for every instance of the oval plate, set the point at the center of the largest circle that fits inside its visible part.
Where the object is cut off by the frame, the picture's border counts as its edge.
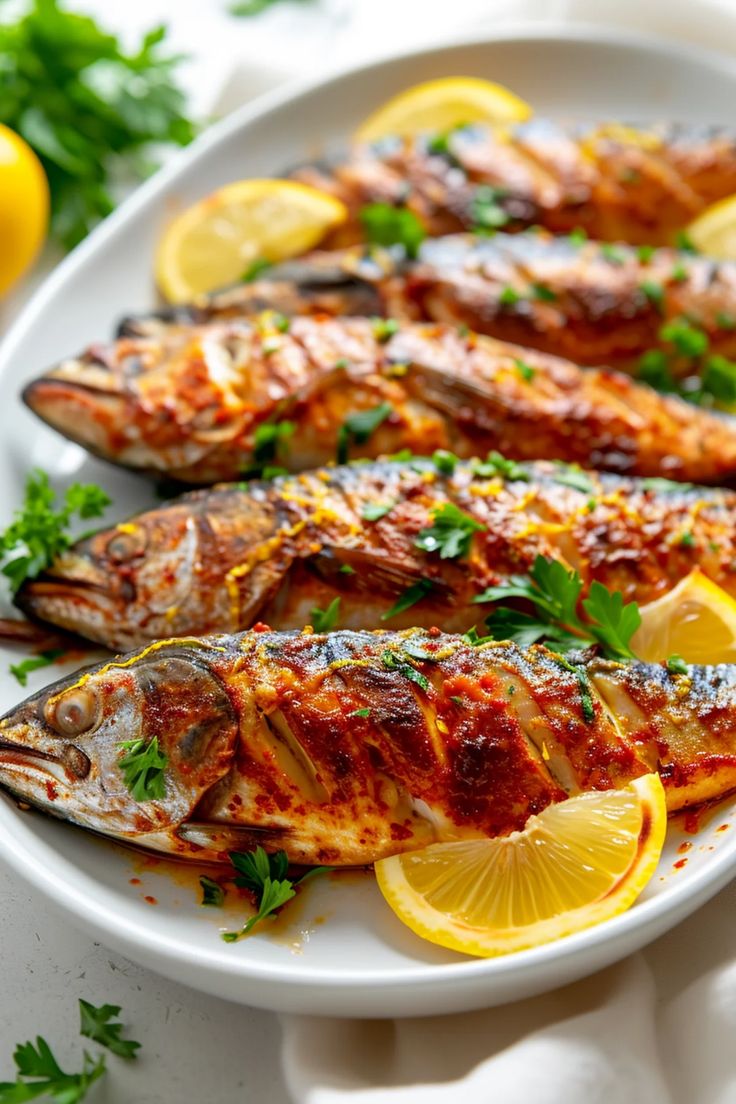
(339, 950)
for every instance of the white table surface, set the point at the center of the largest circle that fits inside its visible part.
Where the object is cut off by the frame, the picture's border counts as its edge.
(196, 1048)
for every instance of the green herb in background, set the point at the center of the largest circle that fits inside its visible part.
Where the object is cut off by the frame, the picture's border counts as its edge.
(39, 1074)
(21, 671)
(38, 532)
(324, 620)
(246, 8)
(100, 1025)
(384, 224)
(359, 427)
(90, 111)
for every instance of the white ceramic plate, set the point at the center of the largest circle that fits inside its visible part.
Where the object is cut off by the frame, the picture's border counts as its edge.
(342, 951)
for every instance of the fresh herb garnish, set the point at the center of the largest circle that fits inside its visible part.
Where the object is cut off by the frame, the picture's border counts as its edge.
(323, 620)
(543, 293)
(654, 292)
(444, 461)
(21, 670)
(578, 236)
(396, 662)
(525, 370)
(676, 665)
(473, 637)
(486, 213)
(384, 224)
(508, 296)
(359, 427)
(679, 273)
(644, 253)
(554, 591)
(687, 339)
(100, 1025)
(38, 532)
(374, 511)
(144, 769)
(571, 475)
(496, 464)
(270, 441)
(265, 876)
(90, 110)
(450, 534)
(255, 269)
(39, 1074)
(364, 712)
(586, 694)
(409, 598)
(213, 895)
(614, 254)
(384, 328)
(686, 540)
(684, 242)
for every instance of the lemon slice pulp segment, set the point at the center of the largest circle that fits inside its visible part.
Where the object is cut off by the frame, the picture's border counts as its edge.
(714, 230)
(695, 620)
(439, 105)
(575, 864)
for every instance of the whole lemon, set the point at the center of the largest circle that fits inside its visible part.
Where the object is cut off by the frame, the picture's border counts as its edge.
(24, 207)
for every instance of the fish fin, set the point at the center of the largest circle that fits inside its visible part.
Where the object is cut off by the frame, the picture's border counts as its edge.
(231, 837)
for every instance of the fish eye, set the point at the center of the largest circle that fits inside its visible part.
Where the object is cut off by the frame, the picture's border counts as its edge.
(74, 712)
(124, 545)
(76, 761)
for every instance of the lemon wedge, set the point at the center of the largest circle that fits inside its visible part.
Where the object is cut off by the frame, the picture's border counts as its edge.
(439, 105)
(695, 620)
(574, 865)
(214, 242)
(714, 231)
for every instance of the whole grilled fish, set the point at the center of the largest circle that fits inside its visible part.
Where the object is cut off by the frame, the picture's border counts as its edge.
(210, 402)
(615, 182)
(223, 559)
(593, 302)
(348, 747)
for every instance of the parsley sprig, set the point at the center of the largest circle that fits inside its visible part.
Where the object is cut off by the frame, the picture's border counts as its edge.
(686, 366)
(359, 427)
(144, 769)
(266, 877)
(450, 534)
(90, 110)
(554, 591)
(384, 224)
(323, 620)
(39, 532)
(101, 1025)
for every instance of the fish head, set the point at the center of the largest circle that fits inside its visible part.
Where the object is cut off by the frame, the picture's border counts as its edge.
(163, 573)
(65, 749)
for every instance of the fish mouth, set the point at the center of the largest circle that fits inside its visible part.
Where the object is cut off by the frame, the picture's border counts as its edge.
(74, 604)
(85, 412)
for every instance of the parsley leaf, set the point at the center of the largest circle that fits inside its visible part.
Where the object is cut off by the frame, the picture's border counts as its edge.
(687, 339)
(374, 511)
(409, 598)
(554, 591)
(91, 111)
(384, 224)
(38, 532)
(571, 475)
(486, 213)
(255, 269)
(325, 619)
(248, 8)
(39, 1074)
(95, 1024)
(614, 254)
(213, 895)
(450, 534)
(445, 461)
(359, 427)
(676, 665)
(496, 464)
(265, 876)
(21, 670)
(396, 662)
(654, 292)
(364, 712)
(270, 441)
(144, 769)
(525, 370)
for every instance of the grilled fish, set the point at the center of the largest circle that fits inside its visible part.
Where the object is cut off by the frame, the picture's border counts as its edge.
(592, 302)
(223, 559)
(613, 181)
(347, 747)
(207, 403)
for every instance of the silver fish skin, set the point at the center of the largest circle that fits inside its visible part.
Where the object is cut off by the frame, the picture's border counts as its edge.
(347, 747)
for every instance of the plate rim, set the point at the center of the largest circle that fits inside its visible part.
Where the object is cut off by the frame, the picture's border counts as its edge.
(41, 865)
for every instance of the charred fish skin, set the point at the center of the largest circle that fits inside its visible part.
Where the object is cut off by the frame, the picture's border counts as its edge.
(222, 560)
(192, 403)
(348, 747)
(582, 300)
(615, 182)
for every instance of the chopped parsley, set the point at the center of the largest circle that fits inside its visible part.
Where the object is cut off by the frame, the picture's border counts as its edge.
(572, 475)
(450, 534)
(255, 269)
(144, 769)
(679, 273)
(554, 591)
(21, 671)
(101, 1025)
(525, 370)
(654, 292)
(266, 877)
(38, 532)
(384, 328)
(578, 236)
(726, 321)
(543, 293)
(496, 464)
(346, 569)
(364, 712)
(684, 242)
(508, 296)
(687, 339)
(444, 461)
(486, 212)
(614, 254)
(271, 441)
(686, 540)
(676, 665)
(644, 253)
(374, 511)
(586, 694)
(384, 224)
(213, 895)
(359, 427)
(396, 662)
(409, 598)
(324, 620)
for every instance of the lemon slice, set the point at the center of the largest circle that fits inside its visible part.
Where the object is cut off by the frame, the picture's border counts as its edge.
(439, 105)
(714, 231)
(213, 243)
(695, 620)
(574, 865)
